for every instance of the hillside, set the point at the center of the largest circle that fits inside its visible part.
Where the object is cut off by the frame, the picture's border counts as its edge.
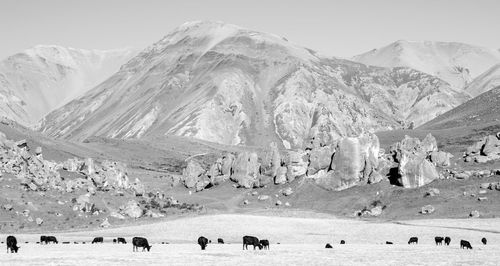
(485, 82)
(456, 63)
(482, 111)
(225, 84)
(40, 79)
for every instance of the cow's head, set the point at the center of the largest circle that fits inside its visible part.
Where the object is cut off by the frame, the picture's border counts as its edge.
(149, 248)
(260, 246)
(16, 248)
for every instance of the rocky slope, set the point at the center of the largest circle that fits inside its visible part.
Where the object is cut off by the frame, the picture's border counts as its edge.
(230, 85)
(43, 78)
(456, 63)
(484, 110)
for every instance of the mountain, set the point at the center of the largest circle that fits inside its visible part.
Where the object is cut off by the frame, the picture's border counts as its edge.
(230, 85)
(456, 63)
(43, 78)
(485, 82)
(480, 111)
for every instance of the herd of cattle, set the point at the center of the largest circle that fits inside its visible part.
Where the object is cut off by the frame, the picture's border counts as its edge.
(464, 244)
(141, 242)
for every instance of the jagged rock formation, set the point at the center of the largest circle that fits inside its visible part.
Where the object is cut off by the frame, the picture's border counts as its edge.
(230, 85)
(38, 174)
(415, 169)
(40, 79)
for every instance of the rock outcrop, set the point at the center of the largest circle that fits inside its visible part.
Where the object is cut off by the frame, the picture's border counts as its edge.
(487, 149)
(415, 169)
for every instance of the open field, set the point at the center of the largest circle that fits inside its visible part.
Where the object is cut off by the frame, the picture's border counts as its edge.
(301, 241)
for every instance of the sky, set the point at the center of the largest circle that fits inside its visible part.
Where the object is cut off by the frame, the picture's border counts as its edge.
(332, 27)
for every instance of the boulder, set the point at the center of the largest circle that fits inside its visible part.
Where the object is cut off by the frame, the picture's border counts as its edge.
(263, 197)
(105, 223)
(432, 192)
(320, 158)
(116, 215)
(202, 183)
(474, 214)
(227, 164)
(427, 209)
(296, 162)
(278, 203)
(441, 158)
(39, 221)
(376, 211)
(429, 144)
(191, 174)
(7, 207)
(288, 191)
(246, 170)
(354, 162)
(491, 146)
(281, 175)
(415, 171)
(132, 209)
(481, 159)
(272, 160)
(138, 187)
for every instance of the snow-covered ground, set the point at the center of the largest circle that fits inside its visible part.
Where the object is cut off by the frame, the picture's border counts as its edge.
(302, 242)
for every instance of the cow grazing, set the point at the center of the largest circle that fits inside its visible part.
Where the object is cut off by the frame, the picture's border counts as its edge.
(98, 240)
(328, 245)
(447, 240)
(484, 241)
(342, 242)
(114, 240)
(388, 243)
(203, 242)
(413, 240)
(121, 240)
(220, 240)
(438, 240)
(12, 244)
(48, 239)
(251, 240)
(140, 242)
(264, 243)
(465, 244)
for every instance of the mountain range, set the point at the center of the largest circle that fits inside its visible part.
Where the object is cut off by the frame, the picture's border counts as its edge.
(222, 83)
(40, 79)
(226, 84)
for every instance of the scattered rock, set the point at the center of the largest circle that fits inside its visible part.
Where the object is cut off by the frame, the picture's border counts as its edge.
(288, 191)
(482, 191)
(245, 202)
(7, 207)
(192, 173)
(105, 223)
(287, 204)
(474, 214)
(432, 192)
(116, 215)
(485, 185)
(427, 209)
(482, 198)
(441, 158)
(376, 211)
(255, 193)
(39, 221)
(278, 203)
(281, 175)
(263, 197)
(246, 170)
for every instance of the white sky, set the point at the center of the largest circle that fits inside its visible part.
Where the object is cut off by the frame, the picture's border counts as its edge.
(337, 28)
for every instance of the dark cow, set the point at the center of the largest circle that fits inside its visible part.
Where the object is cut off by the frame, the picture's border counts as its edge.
(121, 240)
(484, 241)
(140, 242)
(251, 240)
(447, 240)
(220, 240)
(438, 240)
(48, 239)
(12, 244)
(98, 240)
(203, 242)
(342, 242)
(264, 243)
(388, 243)
(413, 240)
(465, 244)
(114, 240)
(328, 245)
